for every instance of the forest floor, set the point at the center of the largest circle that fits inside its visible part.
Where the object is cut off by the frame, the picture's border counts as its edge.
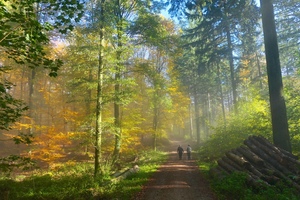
(177, 179)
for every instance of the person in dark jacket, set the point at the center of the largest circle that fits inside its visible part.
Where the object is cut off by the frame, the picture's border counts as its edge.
(180, 152)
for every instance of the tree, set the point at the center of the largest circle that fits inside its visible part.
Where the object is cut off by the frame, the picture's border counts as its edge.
(159, 44)
(187, 68)
(222, 24)
(23, 37)
(107, 32)
(287, 16)
(280, 129)
(122, 11)
(217, 34)
(11, 109)
(99, 97)
(278, 109)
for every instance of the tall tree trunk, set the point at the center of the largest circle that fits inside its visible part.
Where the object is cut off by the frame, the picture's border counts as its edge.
(205, 116)
(231, 65)
(155, 127)
(88, 108)
(197, 116)
(31, 79)
(281, 135)
(117, 101)
(98, 131)
(117, 116)
(221, 94)
(209, 115)
(89, 95)
(191, 122)
(259, 72)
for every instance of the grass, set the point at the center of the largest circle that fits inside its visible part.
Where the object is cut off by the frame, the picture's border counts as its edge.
(76, 182)
(235, 187)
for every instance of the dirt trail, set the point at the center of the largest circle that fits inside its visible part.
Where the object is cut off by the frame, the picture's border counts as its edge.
(177, 180)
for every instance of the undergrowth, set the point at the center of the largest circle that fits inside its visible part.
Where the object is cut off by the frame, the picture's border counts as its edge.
(75, 181)
(236, 187)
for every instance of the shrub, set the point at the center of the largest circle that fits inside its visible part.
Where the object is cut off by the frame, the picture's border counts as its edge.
(253, 118)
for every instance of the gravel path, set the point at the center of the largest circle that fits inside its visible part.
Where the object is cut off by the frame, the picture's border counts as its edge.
(177, 180)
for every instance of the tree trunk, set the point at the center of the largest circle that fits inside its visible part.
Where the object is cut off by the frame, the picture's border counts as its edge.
(231, 65)
(197, 116)
(117, 101)
(281, 135)
(98, 131)
(221, 95)
(31, 79)
(117, 122)
(154, 127)
(117, 115)
(191, 122)
(259, 72)
(207, 115)
(88, 99)
(248, 154)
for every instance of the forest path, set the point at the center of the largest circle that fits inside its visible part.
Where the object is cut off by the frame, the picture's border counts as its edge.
(177, 179)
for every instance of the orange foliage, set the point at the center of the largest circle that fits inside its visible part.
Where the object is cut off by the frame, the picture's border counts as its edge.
(49, 146)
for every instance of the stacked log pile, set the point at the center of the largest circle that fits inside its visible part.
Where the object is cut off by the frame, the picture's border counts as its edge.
(263, 163)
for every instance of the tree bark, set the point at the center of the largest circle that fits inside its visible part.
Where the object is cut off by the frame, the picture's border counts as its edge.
(197, 116)
(273, 162)
(221, 94)
(239, 160)
(98, 131)
(117, 101)
(31, 80)
(191, 122)
(155, 127)
(225, 166)
(251, 156)
(231, 65)
(281, 135)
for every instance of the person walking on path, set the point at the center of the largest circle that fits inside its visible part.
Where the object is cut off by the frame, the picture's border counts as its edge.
(189, 151)
(180, 152)
(177, 180)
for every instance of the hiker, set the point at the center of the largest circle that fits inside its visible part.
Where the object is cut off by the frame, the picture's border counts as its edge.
(189, 151)
(180, 152)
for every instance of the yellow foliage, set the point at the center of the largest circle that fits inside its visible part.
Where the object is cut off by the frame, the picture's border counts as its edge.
(21, 126)
(244, 73)
(49, 146)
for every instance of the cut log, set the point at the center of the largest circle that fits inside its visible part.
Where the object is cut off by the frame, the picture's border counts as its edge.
(255, 171)
(232, 163)
(251, 170)
(272, 180)
(263, 163)
(276, 149)
(126, 173)
(257, 150)
(270, 151)
(226, 166)
(292, 164)
(277, 155)
(288, 160)
(251, 157)
(239, 160)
